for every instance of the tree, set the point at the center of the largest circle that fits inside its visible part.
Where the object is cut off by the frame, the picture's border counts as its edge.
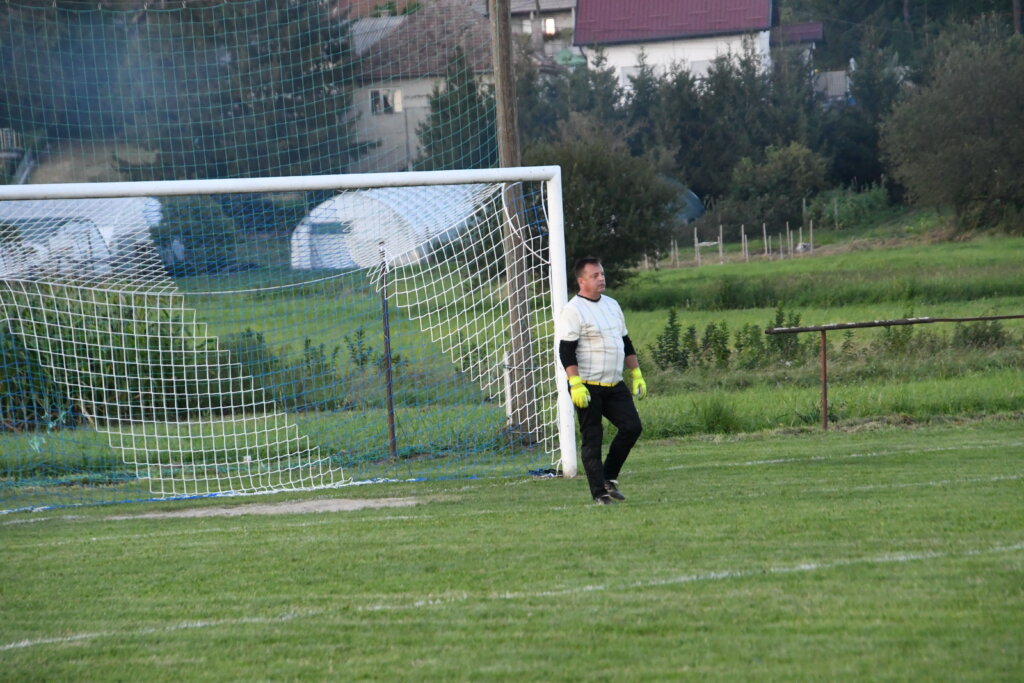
(852, 131)
(616, 206)
(244, 90)
(957, 140)
(735, 99)
(677, 119)
(59, 75)
(794, 111)
(460, 131)
(773, 191)
(538, 106)
(545, 98)
(640, 103)
(594, 90)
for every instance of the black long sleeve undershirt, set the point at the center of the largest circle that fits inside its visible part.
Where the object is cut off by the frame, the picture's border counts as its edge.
(567, 350)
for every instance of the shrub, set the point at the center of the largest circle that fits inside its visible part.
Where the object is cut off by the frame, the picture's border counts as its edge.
(205, 232)
(668, 349)
(844, 209)
(785, 347)
(714, 345)
(751, 348)
(29, 398)
(983, 334)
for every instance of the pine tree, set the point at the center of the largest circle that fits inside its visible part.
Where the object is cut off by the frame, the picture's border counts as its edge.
(262, 89)
(460, 131)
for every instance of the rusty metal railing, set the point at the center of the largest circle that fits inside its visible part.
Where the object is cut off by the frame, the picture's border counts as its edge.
(824, 329)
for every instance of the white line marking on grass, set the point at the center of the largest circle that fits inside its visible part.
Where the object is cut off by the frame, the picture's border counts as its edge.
(183, 626)
(847, 456)
(702, 577)
(573, 590)
(919, 484)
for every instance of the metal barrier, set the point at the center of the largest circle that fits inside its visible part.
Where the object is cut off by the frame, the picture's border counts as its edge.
(824, 329)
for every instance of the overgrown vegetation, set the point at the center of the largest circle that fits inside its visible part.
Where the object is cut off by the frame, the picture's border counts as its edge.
(676, 349)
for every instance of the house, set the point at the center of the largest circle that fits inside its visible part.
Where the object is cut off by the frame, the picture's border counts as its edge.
(360, 228)
(547, 25)
(687, 33)
(403, 58)
(805, 35)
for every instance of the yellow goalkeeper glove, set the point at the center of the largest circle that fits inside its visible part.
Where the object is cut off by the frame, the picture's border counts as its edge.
(579, 392)
(635, 382)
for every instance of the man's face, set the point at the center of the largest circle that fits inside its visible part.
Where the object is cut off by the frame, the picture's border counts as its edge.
(591, 281)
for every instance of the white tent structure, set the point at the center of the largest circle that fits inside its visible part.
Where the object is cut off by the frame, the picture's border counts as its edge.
(362, 228)
(72, 236)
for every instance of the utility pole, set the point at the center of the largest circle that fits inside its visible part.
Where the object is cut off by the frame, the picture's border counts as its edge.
(504, 83)
(521, 411)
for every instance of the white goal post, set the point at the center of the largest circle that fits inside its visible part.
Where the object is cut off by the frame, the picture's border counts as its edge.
(37, 279)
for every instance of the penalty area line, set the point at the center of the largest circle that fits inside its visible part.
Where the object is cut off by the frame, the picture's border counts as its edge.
(845, 456)
(183, 626)
(721, 575)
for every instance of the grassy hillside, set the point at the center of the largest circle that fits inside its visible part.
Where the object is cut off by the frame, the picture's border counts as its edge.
(926, 372)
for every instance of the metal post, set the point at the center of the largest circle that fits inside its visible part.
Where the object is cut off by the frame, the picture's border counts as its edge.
(388, 385)
(824, 384)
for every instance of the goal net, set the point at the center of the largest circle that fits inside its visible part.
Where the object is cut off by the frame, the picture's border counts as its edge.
(158, 341)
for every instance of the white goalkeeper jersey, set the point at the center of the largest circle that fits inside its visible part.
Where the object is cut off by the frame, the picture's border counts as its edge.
(599, 327)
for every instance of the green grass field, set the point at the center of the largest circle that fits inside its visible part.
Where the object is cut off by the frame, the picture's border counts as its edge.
(872, 554)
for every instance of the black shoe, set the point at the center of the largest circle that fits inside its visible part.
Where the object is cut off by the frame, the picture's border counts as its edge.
(612, 487)
(604, 499)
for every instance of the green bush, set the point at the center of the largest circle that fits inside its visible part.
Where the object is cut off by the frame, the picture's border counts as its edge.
(845, 209)
(668, 351)
(982, 334)
(675, 349)
(208, 236)
(29, 398)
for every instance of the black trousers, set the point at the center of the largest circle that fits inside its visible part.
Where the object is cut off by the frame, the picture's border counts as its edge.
(616, 404)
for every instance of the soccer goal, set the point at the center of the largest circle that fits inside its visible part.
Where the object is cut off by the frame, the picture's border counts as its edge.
(178, 339)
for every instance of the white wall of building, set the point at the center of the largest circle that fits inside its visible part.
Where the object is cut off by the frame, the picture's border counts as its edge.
(693, 54)
(395, 130)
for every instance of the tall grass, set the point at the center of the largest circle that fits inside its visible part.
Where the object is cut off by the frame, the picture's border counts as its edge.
(928, 274)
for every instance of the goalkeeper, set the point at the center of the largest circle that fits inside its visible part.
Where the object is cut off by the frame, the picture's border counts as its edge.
(593, 346)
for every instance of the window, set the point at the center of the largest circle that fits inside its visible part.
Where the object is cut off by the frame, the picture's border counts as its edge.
(385, 101)
(527, 26)
(549, 26)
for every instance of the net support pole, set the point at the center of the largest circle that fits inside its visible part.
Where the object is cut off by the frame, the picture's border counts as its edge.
(523, 416)
(388, 378)
(559, 298)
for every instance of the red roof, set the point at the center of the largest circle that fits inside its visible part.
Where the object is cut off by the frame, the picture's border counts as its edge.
(418, 45)
(636, 21)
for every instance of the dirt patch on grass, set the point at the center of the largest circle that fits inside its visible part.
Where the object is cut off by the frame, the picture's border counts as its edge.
(282, 508)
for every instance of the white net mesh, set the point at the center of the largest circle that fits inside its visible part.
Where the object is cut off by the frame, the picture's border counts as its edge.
(221, 356)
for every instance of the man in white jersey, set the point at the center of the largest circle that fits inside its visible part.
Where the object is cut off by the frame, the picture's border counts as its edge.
(594, 345)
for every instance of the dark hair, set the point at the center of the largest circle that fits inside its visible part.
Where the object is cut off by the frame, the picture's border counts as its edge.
(583, 263)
